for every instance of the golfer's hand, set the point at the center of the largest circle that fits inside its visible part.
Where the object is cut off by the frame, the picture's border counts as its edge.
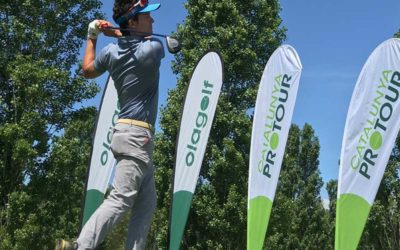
(108, 32)
(93, 30)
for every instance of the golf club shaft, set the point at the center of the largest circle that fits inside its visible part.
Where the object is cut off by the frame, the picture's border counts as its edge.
(136, 32)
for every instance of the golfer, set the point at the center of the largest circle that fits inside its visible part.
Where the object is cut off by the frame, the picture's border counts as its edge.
(133, 64)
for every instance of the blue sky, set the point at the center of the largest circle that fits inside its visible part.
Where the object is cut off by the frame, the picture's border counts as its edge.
(333, 40)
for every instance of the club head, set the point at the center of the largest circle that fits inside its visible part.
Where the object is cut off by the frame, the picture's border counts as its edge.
(173, 45)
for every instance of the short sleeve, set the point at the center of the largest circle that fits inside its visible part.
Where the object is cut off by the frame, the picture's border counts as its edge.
(101, 61)
(158, 49)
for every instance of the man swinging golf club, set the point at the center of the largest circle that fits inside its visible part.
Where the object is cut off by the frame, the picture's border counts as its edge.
(133, 64)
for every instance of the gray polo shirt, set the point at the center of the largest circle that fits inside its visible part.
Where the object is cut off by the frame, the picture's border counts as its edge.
(133, 64)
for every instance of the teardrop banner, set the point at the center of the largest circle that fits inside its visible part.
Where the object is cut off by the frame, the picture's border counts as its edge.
(198, 113)
(102, 160)
(372, 125)
(272, 119)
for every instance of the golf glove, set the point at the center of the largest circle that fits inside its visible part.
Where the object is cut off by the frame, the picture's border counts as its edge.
(93, 30)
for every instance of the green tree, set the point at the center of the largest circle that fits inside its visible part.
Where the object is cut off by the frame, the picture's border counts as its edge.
(39, 88)
(245, 33)
(313, 219)
(331, 188)
(48, 207)
(298, 219)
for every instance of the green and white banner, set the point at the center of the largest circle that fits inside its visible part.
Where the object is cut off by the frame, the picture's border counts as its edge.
(102, 160)
(371, 129)
(198, 113)
(272, 119)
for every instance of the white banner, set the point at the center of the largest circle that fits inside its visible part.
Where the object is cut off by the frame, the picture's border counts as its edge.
(371, 129)
(102, 160)
(372, 123)
(272, 119)
(198, 114)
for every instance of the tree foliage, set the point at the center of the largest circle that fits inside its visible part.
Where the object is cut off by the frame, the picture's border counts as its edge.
(48, 207)
(298, 218)
(42, 153)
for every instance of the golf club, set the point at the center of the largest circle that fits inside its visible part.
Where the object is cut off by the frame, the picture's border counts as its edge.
(172, 44)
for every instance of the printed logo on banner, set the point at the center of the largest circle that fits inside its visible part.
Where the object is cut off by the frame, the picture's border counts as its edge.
(275, 115)
(386, 94)
(107, 143)
(201, 122)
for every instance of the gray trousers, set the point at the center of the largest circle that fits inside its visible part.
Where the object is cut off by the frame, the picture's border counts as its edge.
(133, 188)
